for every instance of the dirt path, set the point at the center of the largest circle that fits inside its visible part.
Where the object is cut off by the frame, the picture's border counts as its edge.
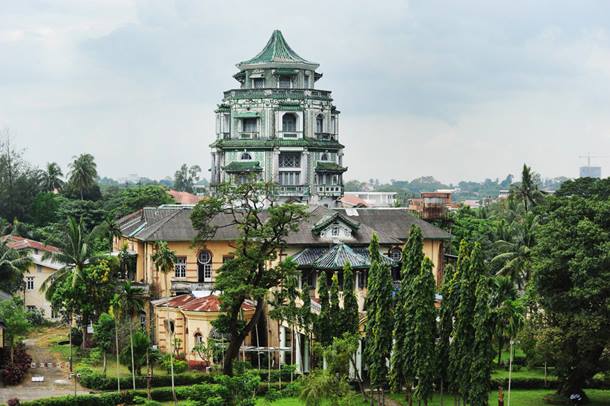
(47, 365)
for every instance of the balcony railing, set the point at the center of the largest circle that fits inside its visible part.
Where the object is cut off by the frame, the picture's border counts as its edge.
(248, 135)
(273, 93)
(293, 190)
(325, 136)
(180, 286)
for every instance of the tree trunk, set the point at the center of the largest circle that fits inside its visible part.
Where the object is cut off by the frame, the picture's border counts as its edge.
(104, 362)
(170, 344)
(236, 338)
(133, 369)
(116, 341)
(442, 390)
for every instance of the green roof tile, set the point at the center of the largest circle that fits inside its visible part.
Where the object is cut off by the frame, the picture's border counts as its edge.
(276, 51)
(329, 167)
(243, 166)
(276, 142)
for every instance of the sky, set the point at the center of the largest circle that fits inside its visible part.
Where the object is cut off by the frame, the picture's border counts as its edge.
(459, 90)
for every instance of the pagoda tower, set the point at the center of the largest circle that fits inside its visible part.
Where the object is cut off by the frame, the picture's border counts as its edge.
(278, 126)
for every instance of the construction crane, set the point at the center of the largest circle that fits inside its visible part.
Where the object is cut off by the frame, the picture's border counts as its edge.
(589, 156)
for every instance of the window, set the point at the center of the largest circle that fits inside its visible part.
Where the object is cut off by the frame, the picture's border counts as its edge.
(320, 123)
(258, 83)
(31, 308)
(38, 269)
(143, 321)
(361, 279)
(335, 230)
(290, 178)
(204, 260)
(180, 267)
(285, 82)
(290, 160)
(324, 157)
(333, 125)
(289, 122)
(246, 156)
(249, 125)
(396, 254)
(198, 338)
(305, 81)
(29, 283)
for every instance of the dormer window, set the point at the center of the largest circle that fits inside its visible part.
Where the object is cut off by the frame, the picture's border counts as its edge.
(246, 156)
(335, 230)
(258, 83)
(285, 82)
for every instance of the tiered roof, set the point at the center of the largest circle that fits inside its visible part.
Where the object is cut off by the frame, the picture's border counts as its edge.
(277, 51)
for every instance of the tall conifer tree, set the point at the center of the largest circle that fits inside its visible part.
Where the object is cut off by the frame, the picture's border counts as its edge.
(425, 332)
(323, 327)
(335, 309)
(447, 312)
(480, 369)
(403, 354)
(350, 303)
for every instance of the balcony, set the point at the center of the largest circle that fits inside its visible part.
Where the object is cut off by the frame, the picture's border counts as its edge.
(329, 190)
(290, 134)
(325, 136)
(183, 286)
(293, 190)
(274, 93)
(248, 135)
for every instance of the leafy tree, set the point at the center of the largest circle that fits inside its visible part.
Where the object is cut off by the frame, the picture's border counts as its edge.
(334, 307)
(45, 209)
(509, 312)
(263, 225)
(402, 362)
(572, 281)
(130, 199)
(351, 319)
(480, 369)
(445, 326)
(50, 178)
(379, 317)
(103, 335)
(14, 316)
(186, 177)
(324, 327)
(13, 264)
(527, 191)
(82, 177)
(425, 332)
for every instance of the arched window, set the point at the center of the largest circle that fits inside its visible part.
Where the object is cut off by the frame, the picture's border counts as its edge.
(324, 157)
(204, 266)
(245, 156)
(320, 123)
(198, 338)
(289, 122)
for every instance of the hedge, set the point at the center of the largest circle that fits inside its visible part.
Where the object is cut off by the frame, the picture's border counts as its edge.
(94, 380)
(539, 383)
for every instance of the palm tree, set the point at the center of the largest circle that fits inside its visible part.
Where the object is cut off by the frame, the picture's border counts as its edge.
(165, 262)
(133, 303)
(83, 173)
(13, 264)
(117, 306)
(515, 255)
(74, 253)
(50, 178)
(527, 190)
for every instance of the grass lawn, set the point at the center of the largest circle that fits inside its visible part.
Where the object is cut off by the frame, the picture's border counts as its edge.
(524, 373)
(518, 398)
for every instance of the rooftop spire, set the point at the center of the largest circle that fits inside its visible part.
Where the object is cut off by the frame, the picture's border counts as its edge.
(277, 51)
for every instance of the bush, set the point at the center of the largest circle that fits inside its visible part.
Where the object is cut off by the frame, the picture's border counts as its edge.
(14, 372)
(13, 402)
(94, 380)
(77, 337)
(140, 400)
(180, 366)
(36, 317)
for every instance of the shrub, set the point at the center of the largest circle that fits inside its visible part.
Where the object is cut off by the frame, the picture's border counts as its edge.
(36, 317)
(13, 402)
(14, 372)
(180, 366)
(77, 337)
(140, 400)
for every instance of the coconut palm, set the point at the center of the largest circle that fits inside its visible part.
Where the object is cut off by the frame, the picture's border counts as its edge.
(527, 190)
(515, 258)
(50, 178)
(132, 305)
(75, 252)
(13, 264)
(83, 173)
(165, 262)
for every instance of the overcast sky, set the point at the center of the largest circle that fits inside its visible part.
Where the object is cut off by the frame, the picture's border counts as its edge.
(454, 89)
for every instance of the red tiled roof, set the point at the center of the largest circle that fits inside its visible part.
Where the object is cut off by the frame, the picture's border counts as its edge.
(191, 303)
(185, 197)
(19, 243)
(353, 201)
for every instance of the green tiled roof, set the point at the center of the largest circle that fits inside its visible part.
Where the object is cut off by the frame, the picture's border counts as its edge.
(276, 142)
(246, 114)
(243, 166)
(276, 50)
(334, 258)
(329, 167)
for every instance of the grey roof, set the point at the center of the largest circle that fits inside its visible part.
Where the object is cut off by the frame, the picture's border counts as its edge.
(173, 223)
(394, 222)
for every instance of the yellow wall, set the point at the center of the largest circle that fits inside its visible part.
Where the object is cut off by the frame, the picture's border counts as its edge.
(35, 297)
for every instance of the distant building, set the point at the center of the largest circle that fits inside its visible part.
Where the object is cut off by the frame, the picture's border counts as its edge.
(504, 194)
(374, 199)
(591, 172)
(40, 270)
(432, 205)
(184, 197)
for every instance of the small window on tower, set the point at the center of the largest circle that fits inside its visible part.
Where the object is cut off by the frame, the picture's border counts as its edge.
(324, 157)
(246, 156)
(285, 82)
(258, 83)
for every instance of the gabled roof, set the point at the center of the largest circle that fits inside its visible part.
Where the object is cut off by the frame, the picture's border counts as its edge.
(332, 217)
(20, 243)
(277, 51)
(191, 303)
(335, 257)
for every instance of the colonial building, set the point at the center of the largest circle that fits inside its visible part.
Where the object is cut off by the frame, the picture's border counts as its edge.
(278, 127)
(38, 272)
